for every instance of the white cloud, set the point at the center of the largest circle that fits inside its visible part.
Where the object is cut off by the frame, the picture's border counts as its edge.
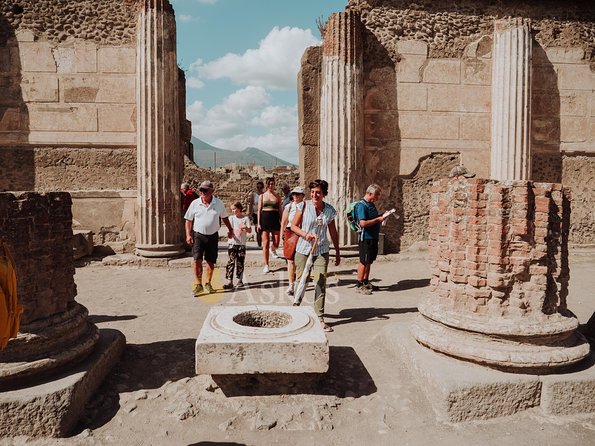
(274, 64)
(247, 119)
(194, 82)
(185, 18)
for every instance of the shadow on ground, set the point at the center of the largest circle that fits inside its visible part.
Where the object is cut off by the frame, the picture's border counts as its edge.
(99, 318)
(353, 315)
(347, 377)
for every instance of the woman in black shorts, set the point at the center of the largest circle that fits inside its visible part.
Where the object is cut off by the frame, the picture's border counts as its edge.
(269, 220)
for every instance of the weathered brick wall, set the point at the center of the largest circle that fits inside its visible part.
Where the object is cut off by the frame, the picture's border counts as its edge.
(38, 228)
(500, 248)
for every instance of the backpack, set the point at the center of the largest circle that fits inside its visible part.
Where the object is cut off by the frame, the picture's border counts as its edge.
(350, 216)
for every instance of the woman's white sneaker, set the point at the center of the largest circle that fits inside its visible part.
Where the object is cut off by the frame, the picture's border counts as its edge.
(266, 269)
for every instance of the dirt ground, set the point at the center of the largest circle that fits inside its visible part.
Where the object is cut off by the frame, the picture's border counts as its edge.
(153, 396)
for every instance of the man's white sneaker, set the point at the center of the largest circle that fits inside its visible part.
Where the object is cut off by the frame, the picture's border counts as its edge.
(266, 269)
(289, 290)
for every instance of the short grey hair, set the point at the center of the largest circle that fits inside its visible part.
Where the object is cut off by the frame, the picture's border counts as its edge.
(373, 189)
(184, 186)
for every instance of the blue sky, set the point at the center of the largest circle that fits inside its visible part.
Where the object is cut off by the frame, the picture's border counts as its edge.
(241, 59)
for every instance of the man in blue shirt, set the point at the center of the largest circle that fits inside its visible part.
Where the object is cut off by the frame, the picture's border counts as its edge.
(366, 215)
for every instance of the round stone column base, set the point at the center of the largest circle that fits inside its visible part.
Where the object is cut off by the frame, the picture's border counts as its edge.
(47, 346)
(526, 355)
(172, 250)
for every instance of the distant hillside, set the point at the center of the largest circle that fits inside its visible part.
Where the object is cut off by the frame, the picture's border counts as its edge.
(205, 155)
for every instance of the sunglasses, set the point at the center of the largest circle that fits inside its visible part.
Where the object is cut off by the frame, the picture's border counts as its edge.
(204, 190)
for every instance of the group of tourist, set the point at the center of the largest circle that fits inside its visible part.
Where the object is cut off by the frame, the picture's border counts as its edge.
(305, 225)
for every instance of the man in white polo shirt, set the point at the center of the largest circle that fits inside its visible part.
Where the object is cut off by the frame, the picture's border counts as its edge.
(202, 232)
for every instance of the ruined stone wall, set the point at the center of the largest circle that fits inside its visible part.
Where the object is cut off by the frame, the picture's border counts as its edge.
(237, 183)
(68, 108)
(38, 228)
(428, 79)
(309, 113)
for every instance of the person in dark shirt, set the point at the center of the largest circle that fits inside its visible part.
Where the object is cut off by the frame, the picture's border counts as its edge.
(367, 217)
(188, 196)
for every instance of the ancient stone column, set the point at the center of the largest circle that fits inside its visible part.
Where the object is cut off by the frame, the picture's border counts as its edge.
(159, 157)
(511, 100)
(499, 261)
(341, 114)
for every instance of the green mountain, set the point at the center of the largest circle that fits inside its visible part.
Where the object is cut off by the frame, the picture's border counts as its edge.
(206, 155)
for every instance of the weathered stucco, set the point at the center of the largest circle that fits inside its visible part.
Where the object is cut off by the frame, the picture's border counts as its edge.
(427, 69)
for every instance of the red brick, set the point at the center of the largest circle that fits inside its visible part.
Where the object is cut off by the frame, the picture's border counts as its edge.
(476, 281)
(538, 269)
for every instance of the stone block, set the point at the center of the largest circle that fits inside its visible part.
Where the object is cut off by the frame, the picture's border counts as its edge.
(575, 77)
(461, 391)
(117, 118)
(409, 68)
(52, 408)
(571, 392)
(381, 126)
(380, 99)
(39, 88)
(428, 126)
(573, 129)
(85, 56)
(116, 60)
(37, 57)
(573, 103)
(24, 35)
(62, 118)
(442, 71)
(98, 88)
(261, 339)
(545, 130)
(412, 47)
(64, 57)
(12, 119)
(476, 71)
(469, 98)
(565, 55)
(476, 127)
(412, 97)
(544, 78)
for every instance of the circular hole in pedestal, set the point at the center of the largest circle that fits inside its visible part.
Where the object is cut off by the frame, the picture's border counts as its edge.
(262, 319)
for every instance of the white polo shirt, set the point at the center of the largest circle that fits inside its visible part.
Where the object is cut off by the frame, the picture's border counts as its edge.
(206, 218)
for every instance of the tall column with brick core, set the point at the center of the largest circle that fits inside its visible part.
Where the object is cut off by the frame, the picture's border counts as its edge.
(499, 261)
(159, 157)
(341, 114)
(511, 100)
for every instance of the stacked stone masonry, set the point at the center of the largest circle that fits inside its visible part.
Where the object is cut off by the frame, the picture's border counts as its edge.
(499, 261)
(427, 90)
(54, 330)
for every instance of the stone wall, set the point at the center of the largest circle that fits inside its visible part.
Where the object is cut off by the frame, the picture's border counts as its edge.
(309, 113)
(38, 229)
(427, 69)
(234, 184)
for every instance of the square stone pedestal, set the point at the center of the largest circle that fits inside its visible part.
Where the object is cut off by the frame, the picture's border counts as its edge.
(261, 339)
(462, 391)
(53, 407)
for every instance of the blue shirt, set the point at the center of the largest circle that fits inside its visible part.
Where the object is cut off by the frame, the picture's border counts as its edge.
(367, 211)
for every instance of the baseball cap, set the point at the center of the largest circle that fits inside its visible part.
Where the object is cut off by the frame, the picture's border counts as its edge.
(206, 185)
(298, 190)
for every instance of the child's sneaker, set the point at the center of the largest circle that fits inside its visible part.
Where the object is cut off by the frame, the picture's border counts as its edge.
(228, 286)
(240, 284)
(289, 290)
(209, 288)
(274, 253)
(196, 289)
(363, 290)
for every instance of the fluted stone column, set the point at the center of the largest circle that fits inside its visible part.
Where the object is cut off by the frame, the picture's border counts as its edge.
(511, 100)
(159, 156)
(341, 114)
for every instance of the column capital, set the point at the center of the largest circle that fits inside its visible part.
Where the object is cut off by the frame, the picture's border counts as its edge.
(507, 23)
